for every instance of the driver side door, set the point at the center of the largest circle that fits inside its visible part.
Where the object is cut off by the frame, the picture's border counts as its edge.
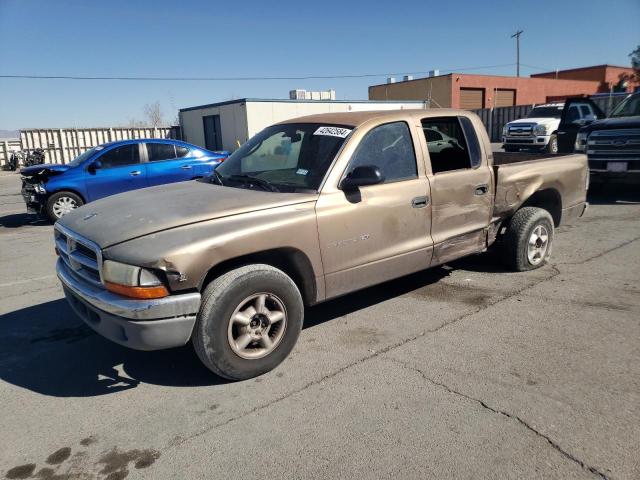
(382, 231)
(120, 169)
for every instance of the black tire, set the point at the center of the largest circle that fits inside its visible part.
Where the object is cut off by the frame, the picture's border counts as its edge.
(511, 149)
(516, 238)
(552, 146)
(53, 211)
(219, 302)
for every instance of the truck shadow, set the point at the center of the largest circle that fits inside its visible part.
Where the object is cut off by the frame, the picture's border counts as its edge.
(46, 349)
(613, 194)
(22, 219)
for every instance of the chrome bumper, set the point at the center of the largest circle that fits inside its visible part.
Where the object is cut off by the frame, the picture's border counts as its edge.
(138, 324)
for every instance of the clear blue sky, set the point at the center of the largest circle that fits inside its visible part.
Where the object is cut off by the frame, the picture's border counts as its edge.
(259, 38)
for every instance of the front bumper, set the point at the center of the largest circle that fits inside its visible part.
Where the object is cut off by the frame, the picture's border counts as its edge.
(35, 202)
(138, 324)
(538, 141)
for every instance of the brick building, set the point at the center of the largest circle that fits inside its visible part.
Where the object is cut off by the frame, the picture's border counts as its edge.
(469, 91)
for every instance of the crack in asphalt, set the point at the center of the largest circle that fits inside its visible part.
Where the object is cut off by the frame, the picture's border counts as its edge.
(486, 406)
(601, 254)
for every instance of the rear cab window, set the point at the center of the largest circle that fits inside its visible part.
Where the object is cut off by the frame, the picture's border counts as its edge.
(452, 143)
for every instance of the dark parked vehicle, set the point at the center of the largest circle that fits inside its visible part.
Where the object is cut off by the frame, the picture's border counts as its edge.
(56, 189)
(613, 144)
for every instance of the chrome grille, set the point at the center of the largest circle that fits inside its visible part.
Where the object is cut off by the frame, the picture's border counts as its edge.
(520, 130)
(82, 256)
(623, 144)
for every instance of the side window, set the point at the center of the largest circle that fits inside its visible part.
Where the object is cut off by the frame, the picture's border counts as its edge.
(452, 152)
(181, 151)
(573, 114)
(160, 151)
(585, 111)
(120, 156)
(388, 147)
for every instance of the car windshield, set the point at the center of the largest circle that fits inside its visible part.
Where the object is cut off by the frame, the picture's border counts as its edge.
(545, 112)
(293, 157)
(630, 107)
(83, 156)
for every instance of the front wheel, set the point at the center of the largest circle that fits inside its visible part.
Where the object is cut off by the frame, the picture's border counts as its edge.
(61, 203)
(249, 321)
(552, 146)
(528, 239)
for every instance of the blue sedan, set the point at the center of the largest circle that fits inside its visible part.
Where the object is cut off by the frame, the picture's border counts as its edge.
(56, 189)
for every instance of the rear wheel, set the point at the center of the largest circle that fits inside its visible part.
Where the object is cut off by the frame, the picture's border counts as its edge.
(249, 321)
(61, 203)
(528, 239)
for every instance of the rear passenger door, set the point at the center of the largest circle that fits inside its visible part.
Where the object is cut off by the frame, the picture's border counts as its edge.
(461, 188)
(168, 163)
(116, 170)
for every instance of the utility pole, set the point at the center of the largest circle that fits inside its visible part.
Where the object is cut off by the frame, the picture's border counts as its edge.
(517, 37)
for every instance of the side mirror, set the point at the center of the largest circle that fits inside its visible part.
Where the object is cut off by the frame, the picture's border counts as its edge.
(97, 165)
(361, 177)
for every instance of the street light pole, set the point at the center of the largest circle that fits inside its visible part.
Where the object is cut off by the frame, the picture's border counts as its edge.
(517, 37)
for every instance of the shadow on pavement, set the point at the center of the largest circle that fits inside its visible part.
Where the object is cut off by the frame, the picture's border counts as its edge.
(613, 194)
(21, 219)
(47, 349)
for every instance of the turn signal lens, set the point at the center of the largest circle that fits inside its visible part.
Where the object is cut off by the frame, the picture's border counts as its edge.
(158, 291)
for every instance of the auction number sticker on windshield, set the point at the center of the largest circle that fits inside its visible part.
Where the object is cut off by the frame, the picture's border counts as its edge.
(333, 131)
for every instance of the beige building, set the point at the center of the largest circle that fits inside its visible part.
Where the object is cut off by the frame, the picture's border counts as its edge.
(226, 125)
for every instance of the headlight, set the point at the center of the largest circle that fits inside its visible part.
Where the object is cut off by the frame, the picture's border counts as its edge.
(505, 130)
(39, 188)
(132, 281)
(581, 142)
(540, 130)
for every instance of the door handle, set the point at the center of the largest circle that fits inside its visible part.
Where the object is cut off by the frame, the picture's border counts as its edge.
(135, 173)
(186, 167)
(481, 189)
(420, 202)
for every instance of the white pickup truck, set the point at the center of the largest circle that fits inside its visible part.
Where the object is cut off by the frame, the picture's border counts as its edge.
(540, 128)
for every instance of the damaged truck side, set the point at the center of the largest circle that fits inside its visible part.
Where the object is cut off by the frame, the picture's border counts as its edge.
(307, 210)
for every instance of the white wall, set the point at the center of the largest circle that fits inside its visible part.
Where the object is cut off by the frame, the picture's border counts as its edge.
(233, 125)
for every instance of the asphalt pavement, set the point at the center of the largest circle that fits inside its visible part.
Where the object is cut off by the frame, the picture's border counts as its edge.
(462, 371)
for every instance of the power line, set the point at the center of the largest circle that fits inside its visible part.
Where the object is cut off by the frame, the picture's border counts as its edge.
(226, 79)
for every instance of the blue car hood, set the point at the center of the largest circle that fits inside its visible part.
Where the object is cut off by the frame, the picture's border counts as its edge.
(45, 167)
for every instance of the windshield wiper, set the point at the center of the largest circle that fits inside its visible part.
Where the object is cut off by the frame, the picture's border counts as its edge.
(248, 179)
(216, 176)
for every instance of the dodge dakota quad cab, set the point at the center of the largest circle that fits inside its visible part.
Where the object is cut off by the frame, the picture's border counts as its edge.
(307, 210)
(613, 144)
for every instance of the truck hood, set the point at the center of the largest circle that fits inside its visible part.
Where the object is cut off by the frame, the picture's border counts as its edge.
(130, 215)
(538, 121)
(612, 123)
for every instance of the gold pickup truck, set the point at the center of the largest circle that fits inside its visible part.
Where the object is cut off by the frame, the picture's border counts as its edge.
(307, 210)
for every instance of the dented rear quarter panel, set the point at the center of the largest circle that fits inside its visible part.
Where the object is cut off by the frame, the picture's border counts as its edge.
(517, 182)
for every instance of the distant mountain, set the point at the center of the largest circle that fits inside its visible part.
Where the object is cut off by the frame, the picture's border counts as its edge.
(9, 134)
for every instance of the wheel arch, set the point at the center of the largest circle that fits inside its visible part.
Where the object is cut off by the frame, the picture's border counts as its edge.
(548, 199)
(70, 190)
(290, 260)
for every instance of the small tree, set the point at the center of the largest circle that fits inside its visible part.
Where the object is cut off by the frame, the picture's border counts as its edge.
(153, 112)
(635, 62)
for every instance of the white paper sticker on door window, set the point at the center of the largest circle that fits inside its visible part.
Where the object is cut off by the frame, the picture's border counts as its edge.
(333, 131)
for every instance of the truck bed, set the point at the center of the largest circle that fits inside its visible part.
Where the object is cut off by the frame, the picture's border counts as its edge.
(506, 158)
(519, 175)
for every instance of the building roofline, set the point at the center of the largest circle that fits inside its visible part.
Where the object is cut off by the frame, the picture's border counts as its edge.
(604, 65)
(288, 100)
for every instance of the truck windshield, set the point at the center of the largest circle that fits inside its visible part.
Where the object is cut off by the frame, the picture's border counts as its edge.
(83, 156)
(287, 158)
(630, 107)
(546, 112)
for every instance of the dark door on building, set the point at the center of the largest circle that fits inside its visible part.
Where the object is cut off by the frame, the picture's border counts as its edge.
(212, 134)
